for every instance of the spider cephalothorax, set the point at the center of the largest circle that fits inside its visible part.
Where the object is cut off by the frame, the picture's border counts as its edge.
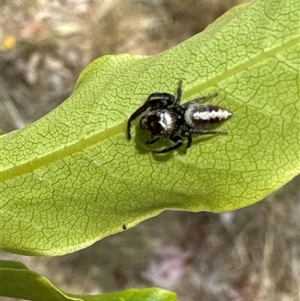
(167, 118)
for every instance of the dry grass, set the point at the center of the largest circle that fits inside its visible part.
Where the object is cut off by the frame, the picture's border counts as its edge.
(250, 254)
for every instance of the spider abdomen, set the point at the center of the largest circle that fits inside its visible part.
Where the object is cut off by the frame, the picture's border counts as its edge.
(205, 115)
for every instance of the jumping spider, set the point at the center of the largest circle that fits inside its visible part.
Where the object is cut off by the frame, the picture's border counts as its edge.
(167, 118)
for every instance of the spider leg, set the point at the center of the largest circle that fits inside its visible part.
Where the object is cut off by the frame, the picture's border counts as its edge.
(189, 137)
(178, 142)
(179, 94)
(167, 98)
(199, 100)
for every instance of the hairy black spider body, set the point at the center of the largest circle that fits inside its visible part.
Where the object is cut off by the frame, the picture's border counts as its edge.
(167, 118)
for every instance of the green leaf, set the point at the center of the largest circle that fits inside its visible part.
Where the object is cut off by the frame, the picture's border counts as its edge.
(72, 177)
(147, 294)
(19, 282)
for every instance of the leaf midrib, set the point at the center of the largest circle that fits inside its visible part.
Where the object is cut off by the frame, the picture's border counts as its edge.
(80, 145)
(243, 66)
(76, 147)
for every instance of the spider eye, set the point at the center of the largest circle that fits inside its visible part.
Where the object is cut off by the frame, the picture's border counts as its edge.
(154, 124)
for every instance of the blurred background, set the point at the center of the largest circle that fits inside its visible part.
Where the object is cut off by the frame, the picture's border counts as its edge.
(250, 254)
